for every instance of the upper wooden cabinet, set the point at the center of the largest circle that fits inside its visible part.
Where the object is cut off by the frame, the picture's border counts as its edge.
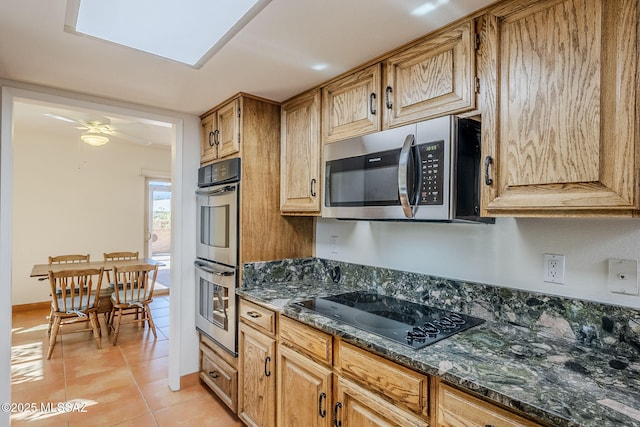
(221, 132)
(432, 78)
(559, 117)
(351, 105)
(300, 154)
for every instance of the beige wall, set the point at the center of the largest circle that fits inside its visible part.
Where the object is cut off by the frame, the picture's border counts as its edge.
(69, 197)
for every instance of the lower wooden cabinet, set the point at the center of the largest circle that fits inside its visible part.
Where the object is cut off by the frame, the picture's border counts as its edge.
(257, 377)
(218, 374)
(304, 391)
(459, 409)
(356, 406)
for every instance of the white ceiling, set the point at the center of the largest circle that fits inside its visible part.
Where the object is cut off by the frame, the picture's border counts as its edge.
(271, 57)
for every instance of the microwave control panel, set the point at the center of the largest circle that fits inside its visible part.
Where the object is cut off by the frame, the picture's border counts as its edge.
(432, 170)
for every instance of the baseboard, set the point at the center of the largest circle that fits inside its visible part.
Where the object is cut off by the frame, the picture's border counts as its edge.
(31, 306)
(189, 380)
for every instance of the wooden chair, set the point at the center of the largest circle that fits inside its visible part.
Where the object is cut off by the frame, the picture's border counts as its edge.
(137, 282)
(116, 256)
(74, 299)
(65, 259)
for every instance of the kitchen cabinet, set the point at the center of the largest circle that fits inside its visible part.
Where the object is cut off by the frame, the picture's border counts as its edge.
(300, 155)
(559, 112)
(431, 78)
(256, 365)
(218, 372)
(457, 408)
(351, 105)
(220, 136)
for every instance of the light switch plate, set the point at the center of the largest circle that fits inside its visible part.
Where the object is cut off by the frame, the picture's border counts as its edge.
(623, 276)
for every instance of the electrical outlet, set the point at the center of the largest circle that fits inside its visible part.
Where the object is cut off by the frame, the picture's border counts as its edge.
(623, 276)
(553, 268)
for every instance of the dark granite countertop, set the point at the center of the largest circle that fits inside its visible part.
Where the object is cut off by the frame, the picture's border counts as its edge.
(552, 380)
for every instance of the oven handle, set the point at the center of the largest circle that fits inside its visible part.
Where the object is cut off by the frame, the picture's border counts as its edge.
(225, 189)
(403, 171)
(207, 267)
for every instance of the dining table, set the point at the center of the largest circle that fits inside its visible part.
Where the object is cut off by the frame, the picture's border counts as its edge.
(41, 272)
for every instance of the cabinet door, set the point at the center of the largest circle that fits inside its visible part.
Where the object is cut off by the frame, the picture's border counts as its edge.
(559, 124)
(433, 78)
(357, 407)
(300, 168)
(229, 128)
(456, 408)
(351, 105)
(208, 148)
(304, 391)
(257, 385)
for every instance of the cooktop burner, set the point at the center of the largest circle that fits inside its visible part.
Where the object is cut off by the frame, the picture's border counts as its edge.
(408, 323)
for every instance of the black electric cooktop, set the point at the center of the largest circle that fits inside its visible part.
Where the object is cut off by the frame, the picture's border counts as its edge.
(408, 323)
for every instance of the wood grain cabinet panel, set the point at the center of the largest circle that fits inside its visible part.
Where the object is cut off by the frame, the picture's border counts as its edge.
(351, 105)
(228, 117)
(257, 377)
(221, 377)
(357, 407)
(559, 121)
(459, 409)
(300, 148)
(208, 148)
(432, 78)
(304, 391)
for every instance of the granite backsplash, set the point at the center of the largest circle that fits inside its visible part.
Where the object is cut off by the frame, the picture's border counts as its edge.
(585, 322)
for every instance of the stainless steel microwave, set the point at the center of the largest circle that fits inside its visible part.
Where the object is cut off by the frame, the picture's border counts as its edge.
(426, 171)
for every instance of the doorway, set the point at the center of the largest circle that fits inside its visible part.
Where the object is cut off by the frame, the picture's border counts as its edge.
(158, 227)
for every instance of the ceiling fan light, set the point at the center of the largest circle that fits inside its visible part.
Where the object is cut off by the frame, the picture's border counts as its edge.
(94, 139)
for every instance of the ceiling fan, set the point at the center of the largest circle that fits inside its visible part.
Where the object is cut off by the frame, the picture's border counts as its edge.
(97, 130)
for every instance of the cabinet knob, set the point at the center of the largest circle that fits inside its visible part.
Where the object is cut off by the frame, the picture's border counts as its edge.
(253, 314)
(487, 162)
(336, 422)
(372, 105)
(214, 374)
(321, 410)
(313, 184)
(387, 96)
(267, 373)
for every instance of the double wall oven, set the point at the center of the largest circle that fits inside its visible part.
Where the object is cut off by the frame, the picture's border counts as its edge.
(217, 252)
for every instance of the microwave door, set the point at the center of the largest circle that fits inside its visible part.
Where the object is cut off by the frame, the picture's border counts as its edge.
(408, 162)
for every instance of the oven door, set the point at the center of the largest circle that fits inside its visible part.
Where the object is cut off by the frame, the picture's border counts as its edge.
(217, 224)
(216, 303)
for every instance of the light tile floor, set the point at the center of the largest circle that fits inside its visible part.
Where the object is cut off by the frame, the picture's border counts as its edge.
(122, 385)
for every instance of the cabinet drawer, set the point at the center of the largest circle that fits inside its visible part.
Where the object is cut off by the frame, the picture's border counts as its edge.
(258, 316)
(403, 386)
(219, 376)
(456, 408)
(310, 341)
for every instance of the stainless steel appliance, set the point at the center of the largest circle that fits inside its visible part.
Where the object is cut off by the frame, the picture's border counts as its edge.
(427, 171)
(408, 323)
(217, 252)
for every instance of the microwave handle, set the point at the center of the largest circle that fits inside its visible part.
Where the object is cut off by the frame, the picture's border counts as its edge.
(403, 169)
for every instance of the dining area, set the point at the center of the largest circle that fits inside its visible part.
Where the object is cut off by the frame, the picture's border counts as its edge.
(98, 294)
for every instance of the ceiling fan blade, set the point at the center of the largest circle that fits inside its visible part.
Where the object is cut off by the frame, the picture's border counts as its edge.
(66, 119)
(129, 138)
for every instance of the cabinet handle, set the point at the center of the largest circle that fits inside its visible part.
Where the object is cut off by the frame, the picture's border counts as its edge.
(214, 374)
(372, 100)
(266, 362)
(211, 138)
(216, 137)
(387, 96)
(254, 314)
(336, 422)
(313, 183)
(321, 410)
(487, 161)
